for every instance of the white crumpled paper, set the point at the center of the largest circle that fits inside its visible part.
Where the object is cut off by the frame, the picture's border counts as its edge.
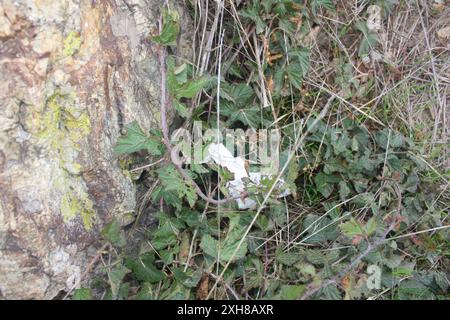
(237, 187)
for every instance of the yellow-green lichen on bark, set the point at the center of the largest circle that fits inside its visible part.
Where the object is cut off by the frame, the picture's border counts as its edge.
(72, 44)
(61, 126)
(75, 200)
(71, 206)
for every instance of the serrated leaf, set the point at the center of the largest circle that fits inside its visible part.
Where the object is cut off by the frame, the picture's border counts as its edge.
(209, 245)
(82, 294)
(144, 270)
(325, 183)
(181, 109)
(291, 292)
(369, 40)
(192, 87)
(228, 246)
(371, 226)
(331, 292)
(170, 28)
(326, 4)
(136, 140)
(352, 228)
(173, 181)
(344, 190)
(288, 258)
(114, 233)
(115, 277)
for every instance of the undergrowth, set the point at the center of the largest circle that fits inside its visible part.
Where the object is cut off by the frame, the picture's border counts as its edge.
(367, 213)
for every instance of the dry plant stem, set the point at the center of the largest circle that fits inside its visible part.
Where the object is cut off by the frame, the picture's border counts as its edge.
(164, 104)
(226, 285)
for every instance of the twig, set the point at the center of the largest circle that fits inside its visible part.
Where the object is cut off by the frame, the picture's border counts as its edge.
(226, 285)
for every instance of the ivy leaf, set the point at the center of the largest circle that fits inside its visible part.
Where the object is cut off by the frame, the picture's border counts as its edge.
(136, 140)
(82, 294)
(114, 233)
(170, 28)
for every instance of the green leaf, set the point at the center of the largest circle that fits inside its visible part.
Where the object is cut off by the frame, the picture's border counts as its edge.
(331, 292)
(115, 278)
(352, 228)
(319, 229)
(326, 4)
(181, 109)
(173, 181)
(170, 28)
(82, 294)
(209, 245)
(192, 87)
(344, 190)
(239, 94)
(114, 233)
(228, 246)
(369, 40)
(288, 258)
(371, 226)
(136, 140)
(291, 292)
(188, 279)
(144, 270)
(324, 183)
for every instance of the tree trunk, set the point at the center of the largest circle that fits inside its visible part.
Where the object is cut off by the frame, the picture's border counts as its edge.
(72, 73)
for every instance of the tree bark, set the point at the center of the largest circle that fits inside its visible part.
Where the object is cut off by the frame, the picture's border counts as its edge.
(72, 74)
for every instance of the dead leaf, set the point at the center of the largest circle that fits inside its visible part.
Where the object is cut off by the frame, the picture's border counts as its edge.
(374, 19)
(444, 34)
(270, 84)
(203, 287)
(184, 247)
(357, 240)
